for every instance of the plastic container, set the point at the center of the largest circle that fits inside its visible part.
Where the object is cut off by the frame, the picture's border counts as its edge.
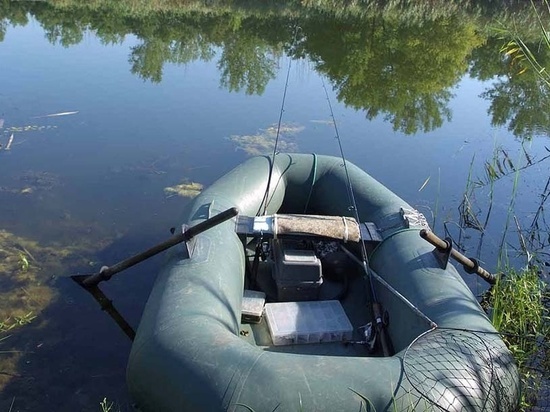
(297, 272)
(252, 306)
(307, 322)
(297, 265)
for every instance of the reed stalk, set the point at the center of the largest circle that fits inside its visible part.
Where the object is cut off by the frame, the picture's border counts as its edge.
(521, 54)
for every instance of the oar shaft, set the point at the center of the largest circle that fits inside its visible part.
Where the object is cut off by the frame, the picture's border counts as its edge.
(107, 305)
(470, 265)
(107, 271)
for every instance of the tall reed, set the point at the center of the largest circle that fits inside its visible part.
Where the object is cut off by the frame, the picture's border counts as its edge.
(521, 54)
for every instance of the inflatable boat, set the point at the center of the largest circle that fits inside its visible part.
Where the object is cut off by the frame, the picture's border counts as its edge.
(319, 296)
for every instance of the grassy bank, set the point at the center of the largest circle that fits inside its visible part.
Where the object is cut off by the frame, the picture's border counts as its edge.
(520, 311)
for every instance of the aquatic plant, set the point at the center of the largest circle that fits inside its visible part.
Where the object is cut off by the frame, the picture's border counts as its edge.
(519, 304)
(263, 142)
(26, 272)
(188, 189)
(107, 406)
(9, 323)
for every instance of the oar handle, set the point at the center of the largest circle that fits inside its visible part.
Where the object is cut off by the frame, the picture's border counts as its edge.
(106, 272)
(470, 265)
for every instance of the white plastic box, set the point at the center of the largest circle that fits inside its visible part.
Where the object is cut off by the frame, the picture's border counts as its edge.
(307, 322)
(252, 306)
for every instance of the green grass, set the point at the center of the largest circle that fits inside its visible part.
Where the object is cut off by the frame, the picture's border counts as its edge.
(521, 313)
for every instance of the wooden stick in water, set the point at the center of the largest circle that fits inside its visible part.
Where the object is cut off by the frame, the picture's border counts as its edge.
(10, 141)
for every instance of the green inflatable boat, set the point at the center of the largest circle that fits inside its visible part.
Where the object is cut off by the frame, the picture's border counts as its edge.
(314, 298)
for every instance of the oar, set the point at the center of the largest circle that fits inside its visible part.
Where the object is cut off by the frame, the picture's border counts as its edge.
(470, 265)
(90, 282)
(107, 305)
(106, 272)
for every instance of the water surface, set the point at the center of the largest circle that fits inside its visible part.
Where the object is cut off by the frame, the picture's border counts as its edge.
(185, 95)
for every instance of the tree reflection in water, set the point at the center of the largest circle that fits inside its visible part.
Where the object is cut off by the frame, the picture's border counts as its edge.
(400, 62)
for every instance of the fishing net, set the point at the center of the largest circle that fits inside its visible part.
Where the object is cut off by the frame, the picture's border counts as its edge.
(459, 370)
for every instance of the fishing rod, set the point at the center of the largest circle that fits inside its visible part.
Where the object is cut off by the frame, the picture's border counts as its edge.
(277, 135)
(378, 312)
(265, 201)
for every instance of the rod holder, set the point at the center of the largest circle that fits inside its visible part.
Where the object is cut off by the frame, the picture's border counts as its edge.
(470, 265)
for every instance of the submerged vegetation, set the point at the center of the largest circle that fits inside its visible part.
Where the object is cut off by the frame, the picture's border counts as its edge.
(24, 294)
(27, 277)
(263, 142)
(20, 263)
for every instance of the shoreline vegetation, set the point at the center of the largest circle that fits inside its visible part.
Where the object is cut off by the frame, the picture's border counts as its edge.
(520, 302)
(519, 307)
(505, 9)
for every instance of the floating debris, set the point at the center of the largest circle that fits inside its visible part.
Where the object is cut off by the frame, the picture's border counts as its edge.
(424, 184)
(56, 114)
(321, 121)
(28, 128)
(10, 141)
(264, 141)
(184, 190)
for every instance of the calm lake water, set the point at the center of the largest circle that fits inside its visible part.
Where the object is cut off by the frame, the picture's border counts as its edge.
(427, 105)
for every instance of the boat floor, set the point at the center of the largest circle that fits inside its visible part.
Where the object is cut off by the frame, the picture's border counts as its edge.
(355, 302)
